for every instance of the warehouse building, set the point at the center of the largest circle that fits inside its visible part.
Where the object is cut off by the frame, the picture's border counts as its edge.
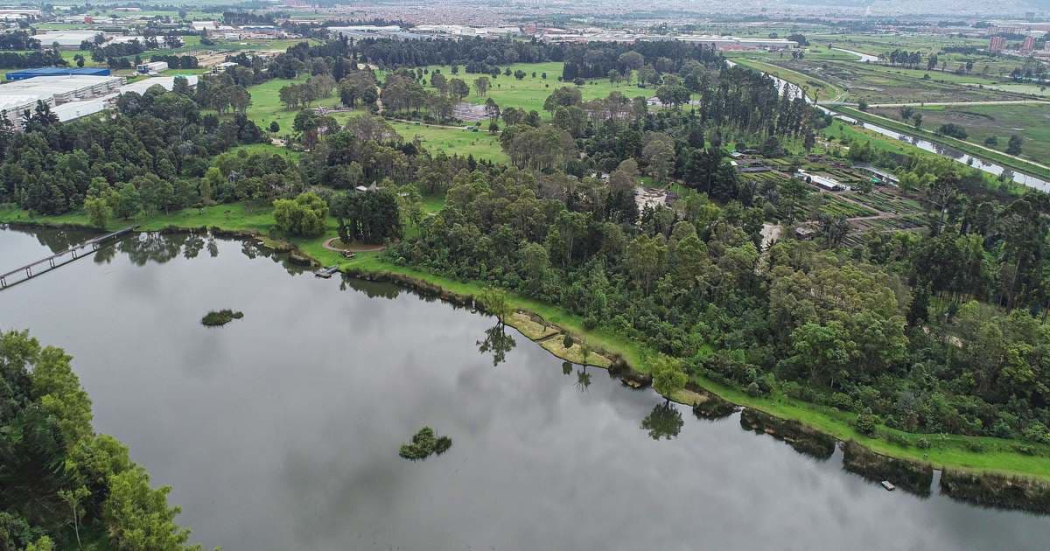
(64, 89)
(736, 43)
(57, 71)
(152, 67)
(67, 40)
(76, 109)
(168, 83)
(17, 96)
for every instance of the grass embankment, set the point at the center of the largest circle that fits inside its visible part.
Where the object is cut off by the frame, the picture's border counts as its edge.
(994, 455)
(823, 91)
(983, 122)
(1014, 163)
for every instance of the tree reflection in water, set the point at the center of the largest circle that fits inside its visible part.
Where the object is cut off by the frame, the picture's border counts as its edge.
(497, 342)
(566, 368)
(583, 379)
(663, 422)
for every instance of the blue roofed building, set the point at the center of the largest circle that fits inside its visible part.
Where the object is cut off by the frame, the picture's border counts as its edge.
(57, 72)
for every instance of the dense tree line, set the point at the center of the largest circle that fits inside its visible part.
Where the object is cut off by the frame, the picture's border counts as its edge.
(479, 55)
(177, 61)
(152, 154)
(18, 40)
(62, 486)
(42, 58)
(595, 60)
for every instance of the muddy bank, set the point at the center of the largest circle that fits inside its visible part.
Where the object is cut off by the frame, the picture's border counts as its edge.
(910, 476)
(996, 490)
(712, 407)
(803, 439)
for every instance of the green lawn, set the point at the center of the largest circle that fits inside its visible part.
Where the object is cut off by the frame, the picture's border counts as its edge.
(481, 144)
(266, 104)
(530, 92)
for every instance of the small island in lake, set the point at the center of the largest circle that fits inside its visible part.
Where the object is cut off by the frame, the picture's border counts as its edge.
(220, 318)
(424, 444)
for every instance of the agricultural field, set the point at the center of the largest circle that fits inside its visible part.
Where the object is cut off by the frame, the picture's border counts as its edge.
(831, 204)
(981, 122)
(876, 44)
(888, 200)
(875, 83)
(1034, 90)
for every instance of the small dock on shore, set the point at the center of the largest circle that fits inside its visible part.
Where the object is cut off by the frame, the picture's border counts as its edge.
(327, 272)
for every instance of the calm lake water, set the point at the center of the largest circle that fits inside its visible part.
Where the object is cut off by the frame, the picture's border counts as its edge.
(281, 430)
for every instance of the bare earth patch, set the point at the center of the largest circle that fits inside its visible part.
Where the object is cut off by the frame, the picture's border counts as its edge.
(531, 328)
(575, 354)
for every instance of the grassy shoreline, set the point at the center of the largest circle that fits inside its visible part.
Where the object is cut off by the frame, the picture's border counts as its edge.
(1018, 165)
(978, 454)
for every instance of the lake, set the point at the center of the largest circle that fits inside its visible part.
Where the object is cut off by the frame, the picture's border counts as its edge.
(281, 430)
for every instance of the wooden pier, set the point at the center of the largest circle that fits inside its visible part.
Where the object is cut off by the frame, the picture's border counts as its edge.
(58, 260)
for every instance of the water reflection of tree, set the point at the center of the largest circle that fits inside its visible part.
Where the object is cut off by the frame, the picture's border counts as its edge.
(105, 254)
(497, 342)
(371, 289)
(194, 245)
(664, 421)
(566, 368)
(152, 247)
(56, 240)
(583, 379)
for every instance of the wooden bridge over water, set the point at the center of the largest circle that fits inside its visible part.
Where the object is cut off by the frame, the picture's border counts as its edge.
(58, 260)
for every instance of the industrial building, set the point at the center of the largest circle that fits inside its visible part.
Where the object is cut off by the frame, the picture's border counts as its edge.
(168, 83)
(65, 88)
(735, 43)
(57, 71)
(76, 109)
(152, 67)
(17, 96)
(66, 40)
(372, 31)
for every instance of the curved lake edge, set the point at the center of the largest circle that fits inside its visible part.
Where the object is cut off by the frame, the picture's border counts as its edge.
(979, 486)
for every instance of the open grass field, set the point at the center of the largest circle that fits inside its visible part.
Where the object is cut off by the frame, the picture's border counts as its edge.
(267, 107)
(451, 141)
(530, 92)
(1035, 90)
(268, 149)
(1031, 122)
